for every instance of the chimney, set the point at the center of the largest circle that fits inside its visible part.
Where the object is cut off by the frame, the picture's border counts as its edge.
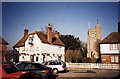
(49, 33)
(57, 34)
(25, 32)
(119, 26)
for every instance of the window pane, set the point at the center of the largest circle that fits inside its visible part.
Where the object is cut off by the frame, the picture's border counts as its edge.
(112, 58)
(116, 59)
(36, 58)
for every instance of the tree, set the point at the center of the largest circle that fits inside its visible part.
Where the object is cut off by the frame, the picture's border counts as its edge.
(70, 42)
(69, 55)
(75, 49)
(86, 60)
(77, 56)
(84, 49)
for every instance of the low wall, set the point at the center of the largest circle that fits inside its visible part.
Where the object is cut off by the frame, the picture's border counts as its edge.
(93, 65)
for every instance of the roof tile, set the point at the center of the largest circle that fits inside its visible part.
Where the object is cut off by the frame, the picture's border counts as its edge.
(113, 37)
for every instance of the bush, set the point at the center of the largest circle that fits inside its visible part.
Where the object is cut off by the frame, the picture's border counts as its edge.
(86, 60)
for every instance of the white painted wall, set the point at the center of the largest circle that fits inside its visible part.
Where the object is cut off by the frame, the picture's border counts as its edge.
(105, 49)
(39, 48)
(53, 49)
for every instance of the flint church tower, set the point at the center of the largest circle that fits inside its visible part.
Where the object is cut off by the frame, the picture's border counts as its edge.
(94, 36)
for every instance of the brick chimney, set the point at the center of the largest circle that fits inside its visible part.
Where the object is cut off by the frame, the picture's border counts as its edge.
(119, 26)
(57, 34)
(49, 33)
(25, 32)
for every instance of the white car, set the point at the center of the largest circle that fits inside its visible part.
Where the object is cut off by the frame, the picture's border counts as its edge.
(56, 65)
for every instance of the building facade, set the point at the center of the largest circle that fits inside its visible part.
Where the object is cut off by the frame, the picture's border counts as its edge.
(40, 47)
(94, 36)
(110, 48)
(3, 49)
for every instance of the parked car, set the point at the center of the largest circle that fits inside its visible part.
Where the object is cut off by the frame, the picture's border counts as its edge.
(11, 72)
(44, 71)
(56, 65)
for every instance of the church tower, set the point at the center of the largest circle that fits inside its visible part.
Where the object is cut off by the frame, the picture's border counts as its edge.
(94, 37)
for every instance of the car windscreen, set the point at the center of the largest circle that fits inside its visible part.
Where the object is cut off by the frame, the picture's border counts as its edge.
(10, 69)
(31, 66)
(39, 66)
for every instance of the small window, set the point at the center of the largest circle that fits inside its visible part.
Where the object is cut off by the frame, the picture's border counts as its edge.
(116, 59)
(51, 63)
(46, 63)
(28, 66)
(21, 66)
(37, 58)
(58, 63)
(112, 59)
(113, 46)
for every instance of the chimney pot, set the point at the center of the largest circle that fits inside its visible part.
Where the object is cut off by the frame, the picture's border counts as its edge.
(25, 32)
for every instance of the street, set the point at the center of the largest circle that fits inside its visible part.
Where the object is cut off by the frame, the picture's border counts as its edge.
(89, 74)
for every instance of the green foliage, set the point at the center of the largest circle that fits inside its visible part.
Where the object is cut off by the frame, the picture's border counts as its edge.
(74, 56)
(75, 49)
(86, 60)
(70, 42)
(77, 56)
(69, 55)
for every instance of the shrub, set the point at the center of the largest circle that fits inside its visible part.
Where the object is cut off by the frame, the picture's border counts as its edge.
(86, 60)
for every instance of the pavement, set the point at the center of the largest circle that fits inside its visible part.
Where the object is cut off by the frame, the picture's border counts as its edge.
(89, 74)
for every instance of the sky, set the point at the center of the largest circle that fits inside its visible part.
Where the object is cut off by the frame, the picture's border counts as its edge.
(73, 18)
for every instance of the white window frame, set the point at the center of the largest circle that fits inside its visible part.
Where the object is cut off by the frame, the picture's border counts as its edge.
(116, 59)
(112, 59)
(113, 46)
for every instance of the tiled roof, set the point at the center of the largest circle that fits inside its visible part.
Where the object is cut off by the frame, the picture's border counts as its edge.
(43, 38)
(2, 41)
(114, 37)
(21, 42)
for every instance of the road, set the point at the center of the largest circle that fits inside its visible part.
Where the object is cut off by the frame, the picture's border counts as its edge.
(90, 74)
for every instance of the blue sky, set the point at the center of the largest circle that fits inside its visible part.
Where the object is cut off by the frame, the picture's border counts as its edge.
(66, 17)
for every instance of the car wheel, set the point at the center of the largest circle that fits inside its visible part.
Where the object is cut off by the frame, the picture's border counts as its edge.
(55, 71)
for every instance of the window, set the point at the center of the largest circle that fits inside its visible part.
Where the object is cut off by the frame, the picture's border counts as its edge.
(113, 46)
(21, 66)
(114, 59)
(36, 58)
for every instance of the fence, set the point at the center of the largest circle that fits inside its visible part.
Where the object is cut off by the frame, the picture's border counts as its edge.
(93, 65)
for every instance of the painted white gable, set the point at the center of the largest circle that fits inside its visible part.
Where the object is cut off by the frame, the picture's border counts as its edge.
(107, 49)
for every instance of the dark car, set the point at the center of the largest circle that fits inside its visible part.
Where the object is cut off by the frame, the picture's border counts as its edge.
(11, 72)
(44, 71)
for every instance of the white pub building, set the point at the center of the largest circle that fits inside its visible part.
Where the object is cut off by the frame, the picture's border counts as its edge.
(40, 47)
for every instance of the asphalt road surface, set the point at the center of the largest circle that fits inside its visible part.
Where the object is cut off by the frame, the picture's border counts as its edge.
(89, 74)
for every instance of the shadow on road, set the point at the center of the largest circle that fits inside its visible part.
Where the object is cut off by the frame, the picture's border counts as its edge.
(64, 71)
(54, 76)
(88, 71)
